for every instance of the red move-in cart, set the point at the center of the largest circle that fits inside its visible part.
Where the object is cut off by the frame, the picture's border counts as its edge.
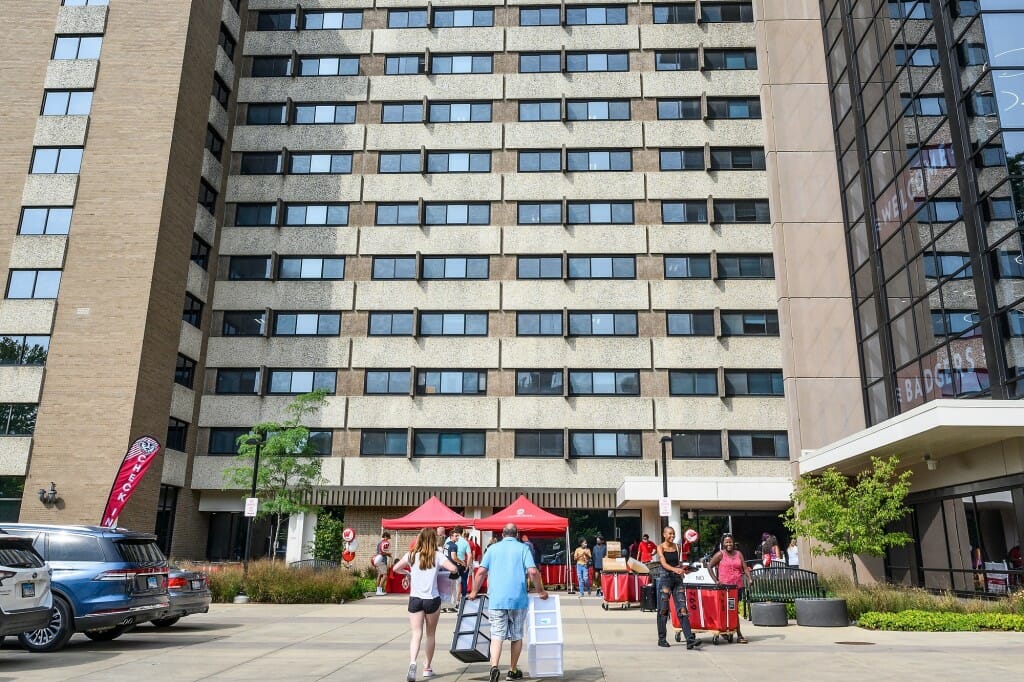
(713, 610)
(622, 589)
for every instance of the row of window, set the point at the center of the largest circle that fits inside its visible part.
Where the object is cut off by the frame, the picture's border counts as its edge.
(24, 349)
(697, 382)
(684, 108)
(691, 211)
(708, 59)
(695, 266)
(528, 443)
(529, 161)
(549, 15)
(17, 419)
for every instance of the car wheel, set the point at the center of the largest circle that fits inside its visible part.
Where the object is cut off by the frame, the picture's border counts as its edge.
(55, 635)
(165, 622)
(107, 634)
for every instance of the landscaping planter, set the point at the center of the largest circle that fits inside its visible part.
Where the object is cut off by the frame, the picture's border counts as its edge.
(822, 613)
(768, 614)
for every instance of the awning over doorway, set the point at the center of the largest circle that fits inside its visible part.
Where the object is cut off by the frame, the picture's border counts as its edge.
(937, 428)
(710, 492)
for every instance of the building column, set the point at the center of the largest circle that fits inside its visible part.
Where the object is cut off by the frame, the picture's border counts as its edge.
(300, 536)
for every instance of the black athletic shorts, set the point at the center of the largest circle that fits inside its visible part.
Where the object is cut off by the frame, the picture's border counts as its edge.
(427, 606)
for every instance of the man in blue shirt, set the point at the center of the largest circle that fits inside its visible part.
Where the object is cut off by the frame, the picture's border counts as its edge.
(507, 565)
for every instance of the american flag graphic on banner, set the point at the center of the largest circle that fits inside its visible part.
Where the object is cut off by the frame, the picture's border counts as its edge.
(136, 461)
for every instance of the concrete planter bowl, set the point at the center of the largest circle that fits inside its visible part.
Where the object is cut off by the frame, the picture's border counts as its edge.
(822, 613)
(768, 614)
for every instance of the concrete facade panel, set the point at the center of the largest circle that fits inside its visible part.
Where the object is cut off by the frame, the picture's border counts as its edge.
(701, 184)
(697, 294)
(574, 473)
(746, 413)
(71, 74)
(213, 171)
(50, 190)
(581, 186)
(198, 281)
(38, 251)
(684, 468)
(376, 351)
(428, 472)
(298, 137)
(288, 240)
(554, 38)
(725, 133)
(308, 352)
(555, 85)
(574, 134)
(708, 352)
(479, 39)
(90, 19)
(716, 83)
(14, 454)
(175, 464)
(428, 412)
(61, 131)
(20, 384)
(705, 238)
(552, 239)
(183, 403)
(452, 295)
(674, 36)
(237, 410)
(318, 42)
(26, 316)
(205, 225)
(294, 188)
(229, 17)
(443, 239)
(575, 295)
(453, 87)
(434, 187)
(315, 295)
(615, 414)
(225, 67)
(582, 353)
(434, 136)
(191, 342)
(306, 89)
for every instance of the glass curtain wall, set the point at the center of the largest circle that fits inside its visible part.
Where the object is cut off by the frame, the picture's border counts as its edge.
(929, 138)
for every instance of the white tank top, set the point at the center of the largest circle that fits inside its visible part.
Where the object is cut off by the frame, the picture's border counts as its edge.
(423, 581)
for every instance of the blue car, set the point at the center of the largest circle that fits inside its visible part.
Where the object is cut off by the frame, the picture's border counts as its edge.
(105, 581)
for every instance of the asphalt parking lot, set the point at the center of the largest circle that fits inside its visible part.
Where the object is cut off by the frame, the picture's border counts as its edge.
(368, 641)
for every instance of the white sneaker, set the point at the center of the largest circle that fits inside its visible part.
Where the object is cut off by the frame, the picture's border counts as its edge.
(411, 675)
(428, 672)
(380, 591)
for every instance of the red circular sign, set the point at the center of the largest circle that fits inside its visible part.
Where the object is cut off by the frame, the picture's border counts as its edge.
(348, 535)
(348, 556)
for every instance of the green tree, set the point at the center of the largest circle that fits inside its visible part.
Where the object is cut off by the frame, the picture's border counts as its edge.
(850, 516)
(328, 543)
(289, 468)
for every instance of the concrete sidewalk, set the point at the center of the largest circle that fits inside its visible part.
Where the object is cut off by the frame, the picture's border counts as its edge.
(368, 641)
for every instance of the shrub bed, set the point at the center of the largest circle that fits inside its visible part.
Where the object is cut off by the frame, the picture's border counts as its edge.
(882, 598)
(272, 582)
(937, 621)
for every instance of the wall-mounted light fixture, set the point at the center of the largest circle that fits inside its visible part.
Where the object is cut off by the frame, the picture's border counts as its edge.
(691, 515)
(48, 497)
(932, 464)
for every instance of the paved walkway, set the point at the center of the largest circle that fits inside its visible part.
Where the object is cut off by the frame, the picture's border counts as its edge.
(368, 641)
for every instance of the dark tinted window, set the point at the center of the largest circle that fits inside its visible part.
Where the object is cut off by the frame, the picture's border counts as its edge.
(70, 547)
(142, 552)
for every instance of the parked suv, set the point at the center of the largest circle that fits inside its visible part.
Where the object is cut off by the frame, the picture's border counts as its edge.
(105, 581)
(25, 599)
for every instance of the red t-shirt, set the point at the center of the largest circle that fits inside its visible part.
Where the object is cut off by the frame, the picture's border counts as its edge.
(646, 550)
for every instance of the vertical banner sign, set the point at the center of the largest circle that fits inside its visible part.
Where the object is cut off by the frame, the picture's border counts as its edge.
(136, 461)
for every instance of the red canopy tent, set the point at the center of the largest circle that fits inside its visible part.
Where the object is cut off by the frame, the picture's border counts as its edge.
(433, 512)
(527, 516)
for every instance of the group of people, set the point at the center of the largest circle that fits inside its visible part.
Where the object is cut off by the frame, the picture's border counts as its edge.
(507, 565)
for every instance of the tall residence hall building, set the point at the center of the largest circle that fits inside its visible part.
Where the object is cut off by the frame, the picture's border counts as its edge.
(524, 246)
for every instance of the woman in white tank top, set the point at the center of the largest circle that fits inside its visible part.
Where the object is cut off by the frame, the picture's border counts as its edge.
(422, 564)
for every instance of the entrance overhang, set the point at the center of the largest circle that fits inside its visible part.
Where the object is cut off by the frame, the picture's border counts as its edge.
(938, 428)
(740, 492)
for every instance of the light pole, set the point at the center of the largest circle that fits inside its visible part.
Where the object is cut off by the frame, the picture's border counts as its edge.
(256, 440)
(664, 474)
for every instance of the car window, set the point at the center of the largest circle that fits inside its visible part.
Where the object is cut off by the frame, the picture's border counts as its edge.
(18, 557)
(145, 551)
(35, 536)
(70, 547)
